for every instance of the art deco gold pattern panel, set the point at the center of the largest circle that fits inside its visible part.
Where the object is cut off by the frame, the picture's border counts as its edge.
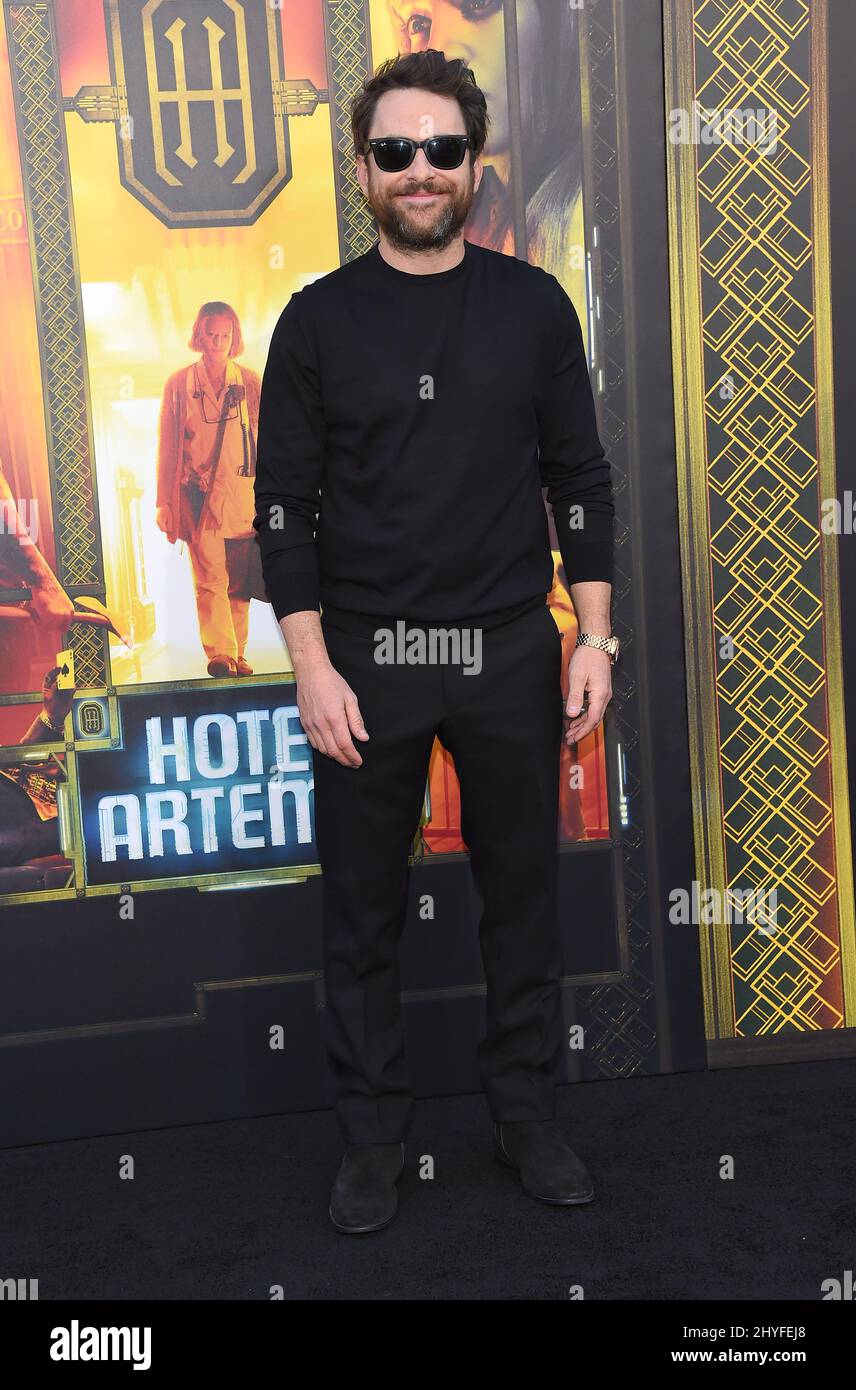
(47, 191)
(753, 386)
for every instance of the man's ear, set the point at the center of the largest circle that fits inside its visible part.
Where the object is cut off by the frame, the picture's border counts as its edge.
(478, 170)
(362, 172)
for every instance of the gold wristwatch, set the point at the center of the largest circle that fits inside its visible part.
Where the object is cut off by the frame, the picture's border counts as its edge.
(603, 644)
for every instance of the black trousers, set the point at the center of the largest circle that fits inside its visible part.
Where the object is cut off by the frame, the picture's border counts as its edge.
(502, 725)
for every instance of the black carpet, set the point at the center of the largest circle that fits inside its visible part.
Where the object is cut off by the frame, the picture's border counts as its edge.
(229, 1209)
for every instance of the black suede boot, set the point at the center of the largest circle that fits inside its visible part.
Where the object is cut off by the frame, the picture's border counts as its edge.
(364, 1196)
(549, 1169)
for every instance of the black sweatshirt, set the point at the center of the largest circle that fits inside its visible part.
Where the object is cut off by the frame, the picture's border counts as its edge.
(421, 415)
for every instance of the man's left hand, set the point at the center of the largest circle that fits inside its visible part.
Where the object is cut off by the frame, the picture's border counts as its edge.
(589, 681)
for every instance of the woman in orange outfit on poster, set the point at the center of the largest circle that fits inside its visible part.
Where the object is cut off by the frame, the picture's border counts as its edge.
(206, 469)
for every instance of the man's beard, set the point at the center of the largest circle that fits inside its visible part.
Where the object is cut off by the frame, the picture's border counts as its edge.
(413, 232)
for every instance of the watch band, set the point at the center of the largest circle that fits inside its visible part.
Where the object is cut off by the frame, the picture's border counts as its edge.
(603, 644)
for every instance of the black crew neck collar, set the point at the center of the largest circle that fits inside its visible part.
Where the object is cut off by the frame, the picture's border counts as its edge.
(436, 277)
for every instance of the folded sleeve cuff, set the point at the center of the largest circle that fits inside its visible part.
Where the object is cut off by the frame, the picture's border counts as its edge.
(293, 593)
(588, 561)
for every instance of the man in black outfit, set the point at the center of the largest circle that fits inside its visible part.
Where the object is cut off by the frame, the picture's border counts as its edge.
(414, 403)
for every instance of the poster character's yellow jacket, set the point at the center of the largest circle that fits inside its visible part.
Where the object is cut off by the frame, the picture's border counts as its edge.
(171, 444)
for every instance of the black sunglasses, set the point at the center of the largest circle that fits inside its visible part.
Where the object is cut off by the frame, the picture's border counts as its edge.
(393, 153)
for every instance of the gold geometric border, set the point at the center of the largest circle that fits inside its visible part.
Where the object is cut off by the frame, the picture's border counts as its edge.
(346, 41)
(62, 346)
(830, 580)
(686, 23)
(691, 458)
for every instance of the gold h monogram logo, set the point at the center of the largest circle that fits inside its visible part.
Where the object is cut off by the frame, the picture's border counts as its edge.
(217, 94)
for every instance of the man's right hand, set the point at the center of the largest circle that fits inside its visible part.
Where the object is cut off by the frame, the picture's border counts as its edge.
(328, 708)
(163, 519)
(330, 713)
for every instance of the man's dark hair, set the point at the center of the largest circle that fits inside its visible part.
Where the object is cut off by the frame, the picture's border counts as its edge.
(433, 72)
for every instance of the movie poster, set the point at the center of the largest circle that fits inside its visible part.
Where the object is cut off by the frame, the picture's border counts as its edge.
(171, 171)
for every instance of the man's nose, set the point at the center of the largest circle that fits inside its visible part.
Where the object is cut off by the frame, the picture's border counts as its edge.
(421, 167)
